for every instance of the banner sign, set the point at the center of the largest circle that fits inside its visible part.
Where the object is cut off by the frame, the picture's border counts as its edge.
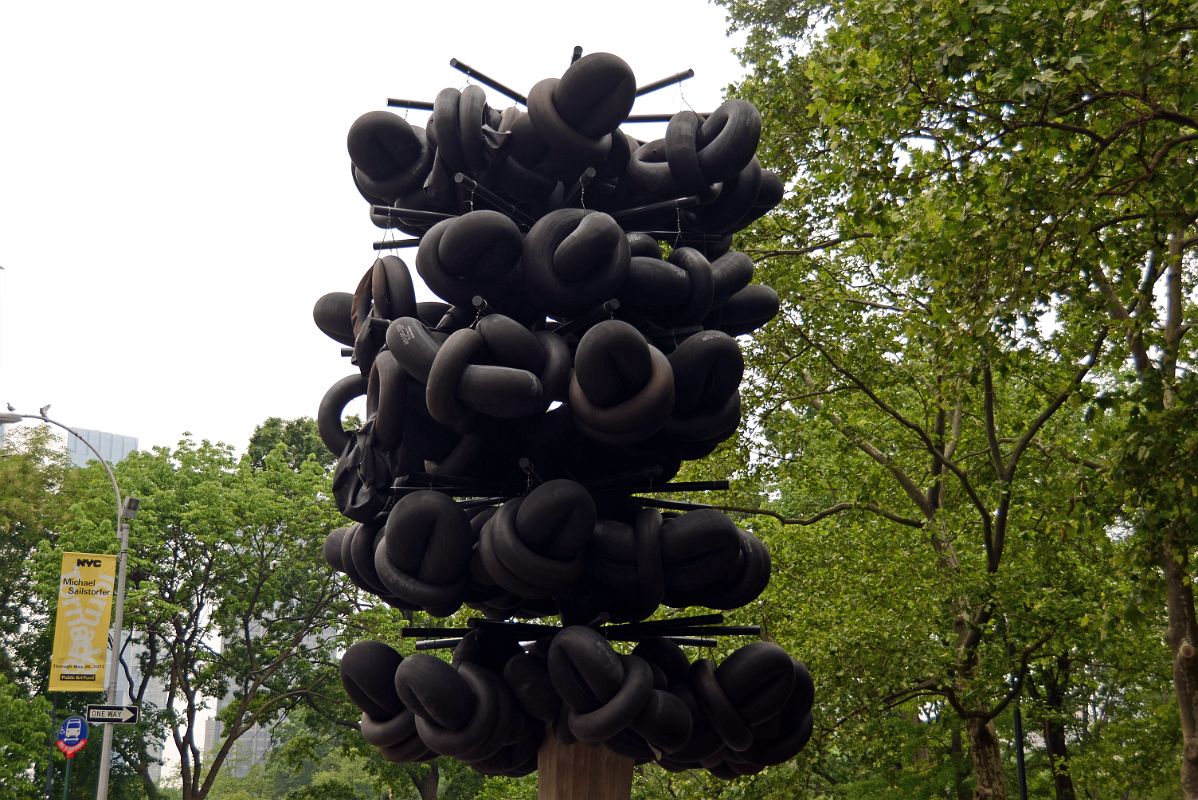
(85, 589)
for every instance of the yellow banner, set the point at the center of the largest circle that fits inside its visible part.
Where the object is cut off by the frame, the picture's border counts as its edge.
(85, 589)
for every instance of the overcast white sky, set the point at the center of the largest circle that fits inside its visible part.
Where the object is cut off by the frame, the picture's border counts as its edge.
(175, 190)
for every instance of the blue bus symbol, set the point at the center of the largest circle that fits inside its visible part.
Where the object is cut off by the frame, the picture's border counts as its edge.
(73, 730)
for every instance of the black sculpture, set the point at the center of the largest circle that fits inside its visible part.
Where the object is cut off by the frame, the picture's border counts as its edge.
(585, 349)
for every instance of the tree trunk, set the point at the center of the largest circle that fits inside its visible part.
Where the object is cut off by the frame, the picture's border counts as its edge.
(989, 774)
(1054, 733)
(960, 768)
(1183, 633)
(428, 783)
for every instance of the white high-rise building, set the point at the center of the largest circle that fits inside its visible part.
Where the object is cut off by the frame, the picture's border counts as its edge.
(112, 446)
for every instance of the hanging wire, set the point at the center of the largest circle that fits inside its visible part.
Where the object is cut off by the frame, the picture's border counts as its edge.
(682, 101)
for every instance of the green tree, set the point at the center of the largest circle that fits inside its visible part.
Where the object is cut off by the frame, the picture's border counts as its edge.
(1009, 186)
(228, 596)
(299, 438)
(24, 721)
(33, 467)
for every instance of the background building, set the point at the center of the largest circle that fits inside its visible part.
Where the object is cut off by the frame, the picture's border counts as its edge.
(112, 446)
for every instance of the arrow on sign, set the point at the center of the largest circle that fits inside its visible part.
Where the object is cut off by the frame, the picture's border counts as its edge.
(116, 715)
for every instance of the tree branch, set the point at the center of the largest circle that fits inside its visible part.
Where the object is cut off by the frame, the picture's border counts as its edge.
(827, 512)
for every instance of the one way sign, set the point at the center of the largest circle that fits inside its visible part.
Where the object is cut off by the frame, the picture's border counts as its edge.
(116, 715)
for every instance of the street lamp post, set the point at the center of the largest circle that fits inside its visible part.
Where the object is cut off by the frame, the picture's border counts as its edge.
(126, 509)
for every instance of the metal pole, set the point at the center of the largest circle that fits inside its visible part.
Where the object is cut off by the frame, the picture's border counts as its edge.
(114, 660)
(1020, 769)
(113, 696)
(50, 763)
(66, 782)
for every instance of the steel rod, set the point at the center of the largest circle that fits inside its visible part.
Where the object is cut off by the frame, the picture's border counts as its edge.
(684, 235)
(411, 213)
(584, 180)
(412, 631)
(396, 244)
(699, 619)
(692, 486)
(662, 205)
(664, 82)
(438, 644)
(672, 505)
(488, 81)
(416, 105)
(492, 198)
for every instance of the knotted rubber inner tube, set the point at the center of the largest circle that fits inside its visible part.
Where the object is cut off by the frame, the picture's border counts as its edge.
(728, 139)
(332, 315)
(583, 668)
(390, 157)
(434, 691)
(619, 710)
(574, 260)
(718, 709)
(707, 371)
(596, 93)
(357, 554)
(612, 363)
(413, 346)
(528, 677)
(757, 679)
(470, 255)
(745, 311)
(425, 551)
(385, 394)
(666, 655)
(332, 405)
(731, 272)
(556, 133)
(664, 722)
(391, 289)
(366, 670)
(388, 732)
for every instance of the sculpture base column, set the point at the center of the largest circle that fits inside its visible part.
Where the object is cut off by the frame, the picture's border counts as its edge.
(582, 772)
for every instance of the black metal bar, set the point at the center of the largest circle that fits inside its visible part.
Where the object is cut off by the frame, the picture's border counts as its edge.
(396, 244)
(649, 118)
(415, 105)
(438, 644)
(672, 505)
(587, 318)
(584, 180)
(577, 53)
(692, 486)
(719, 630)
(482, 501)
(532, 629)
(614, 481)
(411, 213)
(492, 198)
(488, 81)
(664, 82)
(695, 621)
(683, 641)
(684, 235)
(429, 481)
(412, 631)
(662, 205)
